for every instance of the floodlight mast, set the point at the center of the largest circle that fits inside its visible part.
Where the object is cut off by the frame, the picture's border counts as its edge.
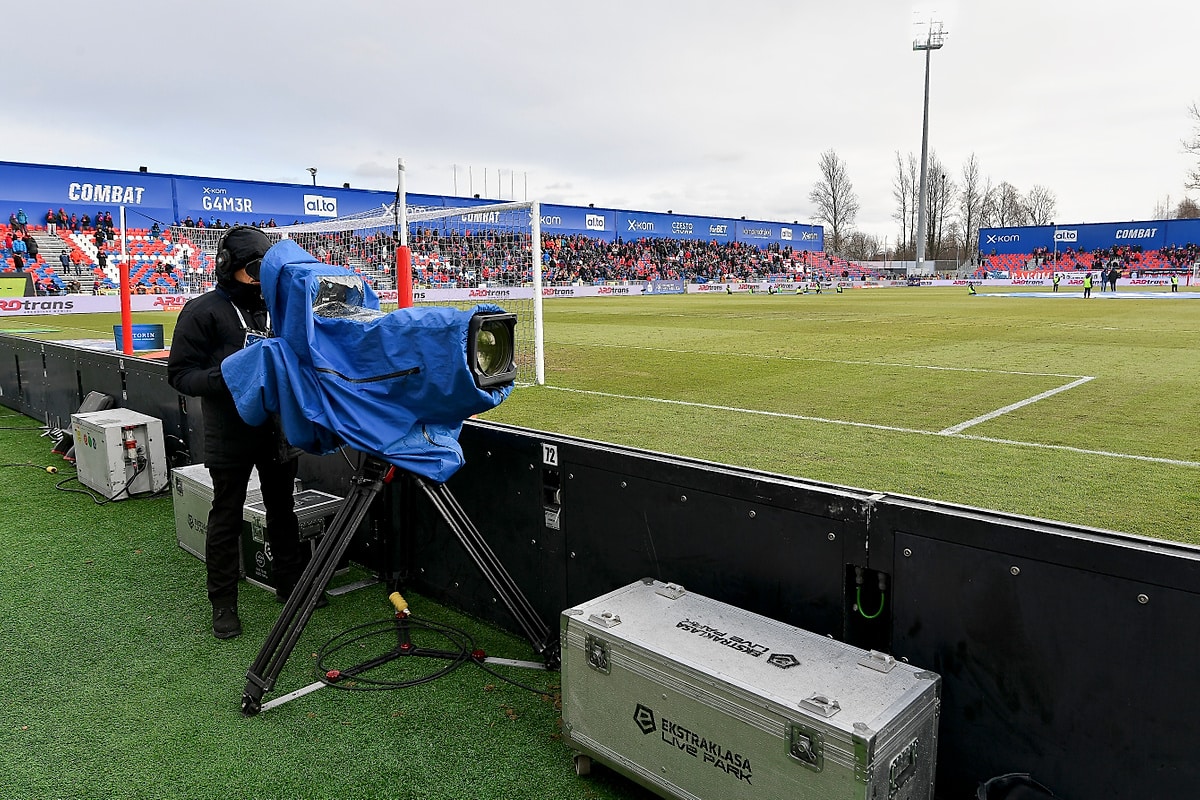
(933, 40)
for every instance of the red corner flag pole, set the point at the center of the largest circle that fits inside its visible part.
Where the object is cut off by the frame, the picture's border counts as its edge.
(404, 294)
(404, 289)
(126, 311)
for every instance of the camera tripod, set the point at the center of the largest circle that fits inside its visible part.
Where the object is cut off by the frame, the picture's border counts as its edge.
(366, 483)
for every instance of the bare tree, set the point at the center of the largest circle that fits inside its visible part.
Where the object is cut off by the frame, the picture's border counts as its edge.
(988, 205)
(1184, 209)
(1008, 207)
(951, 242)
(1192, 145)
(1187, 209)
(942, 191)
(971, 198)
(863, 247)
(1040, 205)
(1163, 209)
(904, 191)
(833, 195)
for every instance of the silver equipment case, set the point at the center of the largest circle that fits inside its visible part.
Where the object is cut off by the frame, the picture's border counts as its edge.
(192, 496)
(693, 698)
(313, 510)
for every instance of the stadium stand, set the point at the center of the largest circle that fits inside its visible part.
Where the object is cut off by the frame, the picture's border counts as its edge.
(168, 261)
(1168, 260)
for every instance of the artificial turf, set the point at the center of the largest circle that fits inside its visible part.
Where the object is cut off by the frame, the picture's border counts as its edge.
(116, 688)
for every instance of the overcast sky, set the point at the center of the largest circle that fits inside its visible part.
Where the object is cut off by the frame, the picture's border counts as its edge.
(718, 108)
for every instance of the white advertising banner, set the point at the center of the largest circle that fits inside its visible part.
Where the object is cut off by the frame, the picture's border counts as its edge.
(89, 304)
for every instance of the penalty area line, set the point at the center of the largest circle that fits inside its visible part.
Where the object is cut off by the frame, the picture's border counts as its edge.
(873, 426)
(953, 429)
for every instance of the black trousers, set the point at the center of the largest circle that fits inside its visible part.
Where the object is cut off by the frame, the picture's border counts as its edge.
(221, 553)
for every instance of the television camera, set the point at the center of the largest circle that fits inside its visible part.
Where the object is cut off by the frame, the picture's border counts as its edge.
(396, 386)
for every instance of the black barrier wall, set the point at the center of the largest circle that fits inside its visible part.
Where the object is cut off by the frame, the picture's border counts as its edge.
(1066, 652)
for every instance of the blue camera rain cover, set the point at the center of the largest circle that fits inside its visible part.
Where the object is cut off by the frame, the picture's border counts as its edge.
(394, 385)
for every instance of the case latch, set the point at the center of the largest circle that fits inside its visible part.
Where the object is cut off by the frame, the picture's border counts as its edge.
(807, 745)
(902, 768)
(596, 651)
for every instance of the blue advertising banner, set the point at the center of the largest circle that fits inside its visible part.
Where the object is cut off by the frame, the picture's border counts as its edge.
(597, 223)
(798, 237)
(1101, 236)
(667, 287)
(144, 336)
(427, 202)
(1181, 232)
(634, 225)
(252, 201)
(802, 237)
(150, 197)
(1152, 235)
(79, 191)
(1002, 241)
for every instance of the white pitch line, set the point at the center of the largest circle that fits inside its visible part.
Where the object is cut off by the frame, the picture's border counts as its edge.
(770, 357)
(782, 415)
(953, 429)
(1083, 450)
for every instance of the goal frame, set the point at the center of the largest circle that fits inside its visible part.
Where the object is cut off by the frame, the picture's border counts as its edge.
(400, 219)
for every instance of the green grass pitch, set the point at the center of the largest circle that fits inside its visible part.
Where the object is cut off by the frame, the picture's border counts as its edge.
(1052, 407)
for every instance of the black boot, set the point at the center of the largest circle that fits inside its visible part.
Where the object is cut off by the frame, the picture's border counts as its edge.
(226, 624)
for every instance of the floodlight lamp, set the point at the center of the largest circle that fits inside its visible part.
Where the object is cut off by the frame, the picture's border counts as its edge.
(933, 40)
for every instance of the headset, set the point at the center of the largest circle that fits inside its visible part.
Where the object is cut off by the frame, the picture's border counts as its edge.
(224, 256)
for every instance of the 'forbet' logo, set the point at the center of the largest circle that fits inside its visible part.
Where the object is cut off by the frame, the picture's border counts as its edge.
(644, 717)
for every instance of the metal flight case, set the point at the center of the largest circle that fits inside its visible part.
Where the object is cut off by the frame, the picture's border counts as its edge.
(313, 511)
(694, 698)
(192, 496)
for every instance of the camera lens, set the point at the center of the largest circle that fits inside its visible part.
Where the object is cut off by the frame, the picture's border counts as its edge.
(490, 348)
(493, 347)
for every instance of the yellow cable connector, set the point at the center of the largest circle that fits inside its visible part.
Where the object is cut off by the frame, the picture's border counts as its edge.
(399, 603)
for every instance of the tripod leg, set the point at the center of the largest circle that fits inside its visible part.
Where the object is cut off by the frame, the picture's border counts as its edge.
(493, 570)
(298, 610)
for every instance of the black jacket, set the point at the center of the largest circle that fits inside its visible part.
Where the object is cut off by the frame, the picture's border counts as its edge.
(208, 330)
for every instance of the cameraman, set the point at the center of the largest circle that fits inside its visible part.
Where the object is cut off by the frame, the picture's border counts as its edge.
(210, 328)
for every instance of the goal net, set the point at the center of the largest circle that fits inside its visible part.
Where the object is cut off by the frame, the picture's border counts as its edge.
(461, 257)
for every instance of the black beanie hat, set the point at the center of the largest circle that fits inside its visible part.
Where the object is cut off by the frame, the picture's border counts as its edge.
(238, 247)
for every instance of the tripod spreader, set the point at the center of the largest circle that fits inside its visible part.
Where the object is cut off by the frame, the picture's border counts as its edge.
(371, 477)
